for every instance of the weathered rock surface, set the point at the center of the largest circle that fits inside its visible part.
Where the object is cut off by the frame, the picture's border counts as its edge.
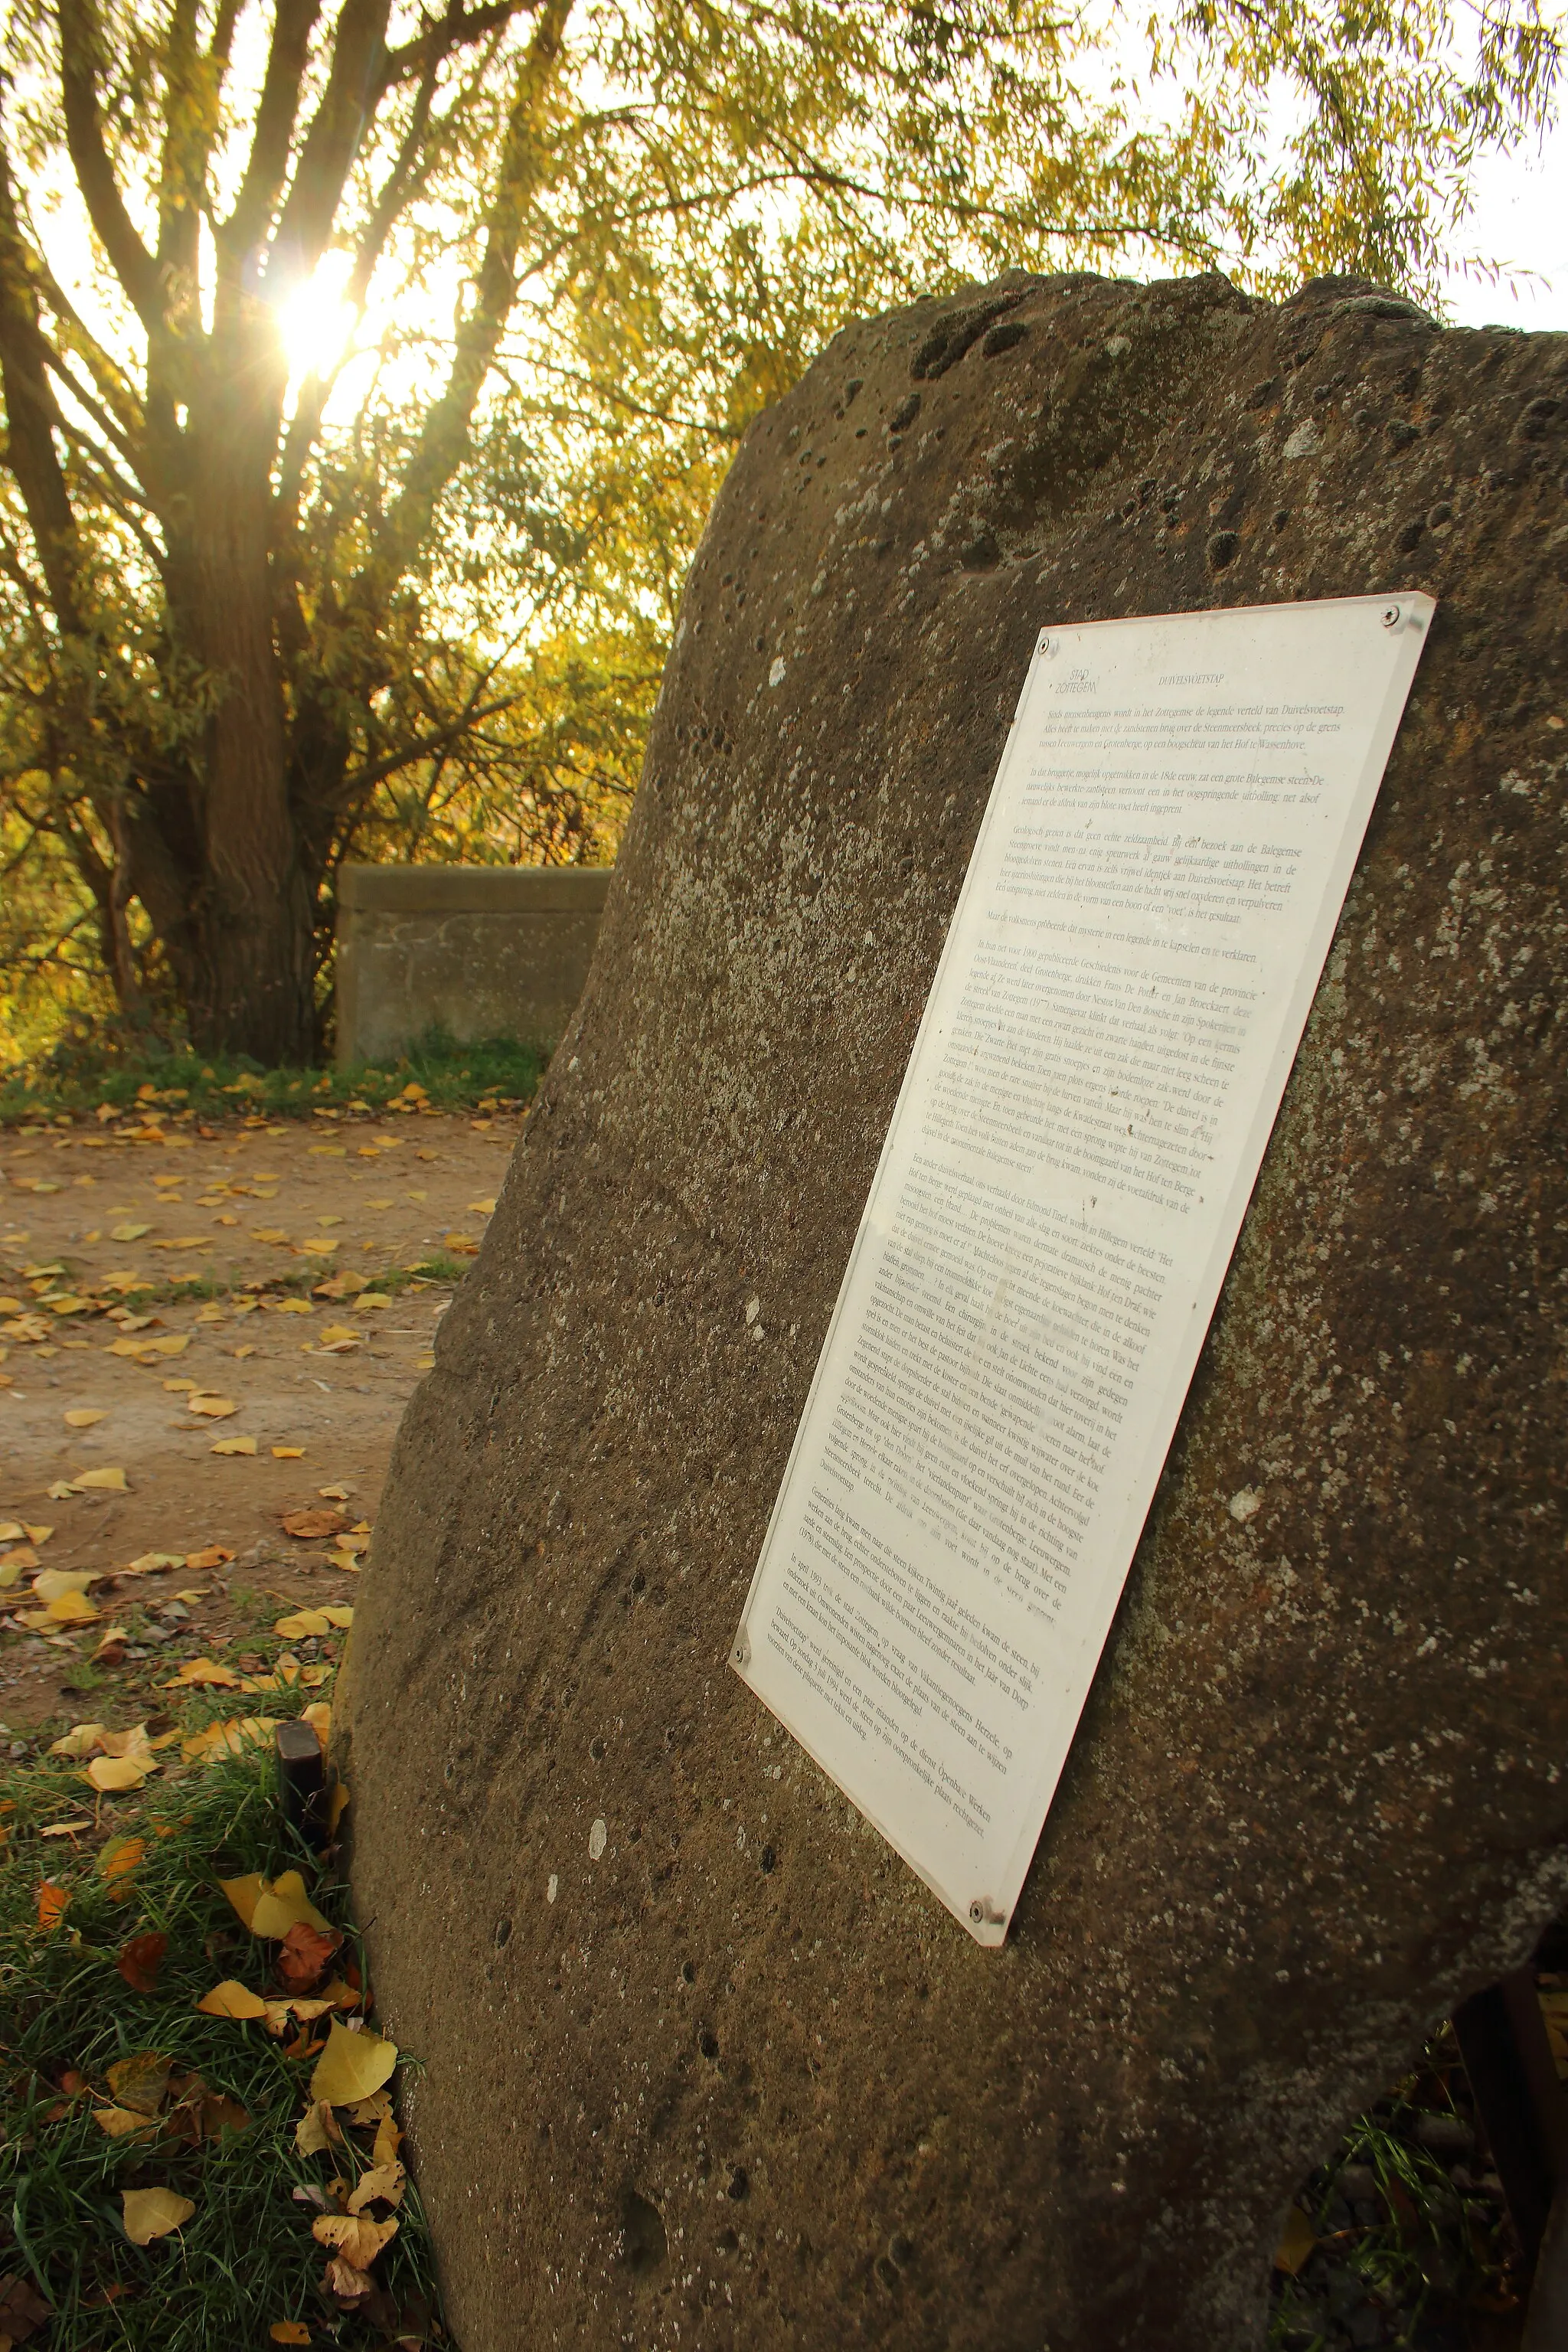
(721, 2072)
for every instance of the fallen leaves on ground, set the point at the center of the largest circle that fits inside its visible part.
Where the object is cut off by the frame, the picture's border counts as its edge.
(141, 2081)
(1297, 2241)
(383, 2184)
(152, 2212)
(235, 1445)
(271, 1907)
(306, 1955)
(23, 2310)
(231, 1999)
(204, 1673)
(139, 1961)
(231, 1737)
(308, 1624)
(288, 2331)
(356, 2238)
(309, 1526)
(83, 1417)
(352, 2066)
(117, 1862)
(210, 1407)
(53, 1902)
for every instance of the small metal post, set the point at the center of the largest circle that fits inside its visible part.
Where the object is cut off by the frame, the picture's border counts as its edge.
(302, 1782)
(1503, 2042)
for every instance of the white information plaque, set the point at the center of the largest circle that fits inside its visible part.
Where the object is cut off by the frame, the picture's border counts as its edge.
(1125, 982)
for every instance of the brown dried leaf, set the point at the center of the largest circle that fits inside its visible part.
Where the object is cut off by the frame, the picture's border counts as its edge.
(305, 1956)
(139, 1961)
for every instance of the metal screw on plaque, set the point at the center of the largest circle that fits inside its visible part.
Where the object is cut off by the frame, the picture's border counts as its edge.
(1047, 646)
(1392, 616)
(741, 1655)
(977, 1912)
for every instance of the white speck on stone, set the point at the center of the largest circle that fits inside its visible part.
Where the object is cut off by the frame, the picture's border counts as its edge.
(753, 1308)
(1304, 439)
(598, 1837)
(775, 676)
(1246, 1502)
(553, 1889)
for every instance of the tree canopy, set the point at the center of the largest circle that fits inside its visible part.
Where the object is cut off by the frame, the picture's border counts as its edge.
(368, 373)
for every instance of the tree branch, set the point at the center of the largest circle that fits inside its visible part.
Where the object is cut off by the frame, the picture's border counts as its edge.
(128, 258)
(443, 438)
(31, 414)
(266, 167)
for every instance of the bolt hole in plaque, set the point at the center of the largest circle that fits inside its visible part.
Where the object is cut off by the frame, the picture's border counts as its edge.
(1127, 974)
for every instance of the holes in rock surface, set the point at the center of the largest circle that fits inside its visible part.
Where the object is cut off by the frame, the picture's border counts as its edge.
(504, 1931)
(740, 2183)
(904, 415)
(1006, 337)
(1223, 549)
(707, 2043)
(645, 2245)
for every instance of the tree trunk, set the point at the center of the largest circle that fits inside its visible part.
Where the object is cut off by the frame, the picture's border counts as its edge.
(252, 987)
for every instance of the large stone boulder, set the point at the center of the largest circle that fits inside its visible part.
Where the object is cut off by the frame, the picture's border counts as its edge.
(705, 2065)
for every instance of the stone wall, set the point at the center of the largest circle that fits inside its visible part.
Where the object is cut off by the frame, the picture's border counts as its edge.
(476, 950)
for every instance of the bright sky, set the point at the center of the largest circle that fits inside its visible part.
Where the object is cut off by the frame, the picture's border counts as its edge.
(1521, 217)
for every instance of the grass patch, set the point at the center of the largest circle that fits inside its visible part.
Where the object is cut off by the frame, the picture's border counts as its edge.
(246, 2261)
(79, 1079)
(1401, 2237)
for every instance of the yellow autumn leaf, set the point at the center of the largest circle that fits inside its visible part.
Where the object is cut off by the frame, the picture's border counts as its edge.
(211, 1408)
(319, 1716)
(82, 1416)
(288, 1453)
(134, 1743)
(337, 1805)
(288, 2331)
(483, 1208)
(119, 1860)
(54, 1584)
(317, 2129)
(369, 1298)
(317, 1246)
(1296, 2241)
(100, 1482)
(229, 1738)
(234, 1445)
(271, 1907)
(269, 1234)
(113, 1773)
(284, 1904)
(352, 2066)
(383, 2182)
(79, 1740)
(121, 2123)
(303, 1625)
(358, 2241)
(336, 1332)
(128, 1233)
(294, 1307)
(231, 1999)
(152, 2212)
(204, 1673)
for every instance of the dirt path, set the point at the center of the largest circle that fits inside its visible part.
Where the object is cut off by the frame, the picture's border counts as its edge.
(283, 1209)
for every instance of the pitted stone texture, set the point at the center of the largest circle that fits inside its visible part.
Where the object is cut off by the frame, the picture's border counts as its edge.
(739, 2081)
